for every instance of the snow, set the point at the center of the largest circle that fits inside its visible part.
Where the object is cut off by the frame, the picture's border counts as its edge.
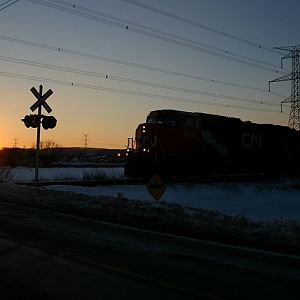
(258, 201)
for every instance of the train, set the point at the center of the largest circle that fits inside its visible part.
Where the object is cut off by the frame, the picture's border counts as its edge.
(183, 144)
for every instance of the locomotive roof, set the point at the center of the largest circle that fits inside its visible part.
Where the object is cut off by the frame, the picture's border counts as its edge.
(209, 116)
(186, 113)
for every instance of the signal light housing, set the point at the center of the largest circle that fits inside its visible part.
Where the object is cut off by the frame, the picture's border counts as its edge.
(31, 121)
(49, 122)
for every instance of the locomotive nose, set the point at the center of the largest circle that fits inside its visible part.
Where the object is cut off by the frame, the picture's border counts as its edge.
(141, 130)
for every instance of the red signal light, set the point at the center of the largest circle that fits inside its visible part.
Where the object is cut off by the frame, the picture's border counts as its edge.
(34, 122)
(31, 121)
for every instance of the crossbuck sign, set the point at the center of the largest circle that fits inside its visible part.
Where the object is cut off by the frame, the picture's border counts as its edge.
(41, 99)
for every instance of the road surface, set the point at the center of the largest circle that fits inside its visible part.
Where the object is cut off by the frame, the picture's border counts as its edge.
(47, 255)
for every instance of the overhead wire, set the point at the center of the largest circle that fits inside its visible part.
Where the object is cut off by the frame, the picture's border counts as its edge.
(5, 2)
(8, 5)
(170, 87)
(129, 92)
(155, 33)
(160, 32)
(199, 25)
(130, 80)
(131, 64)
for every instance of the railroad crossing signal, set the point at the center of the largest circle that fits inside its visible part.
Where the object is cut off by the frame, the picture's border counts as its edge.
(156, 186)
(48, 122)
(36, 120)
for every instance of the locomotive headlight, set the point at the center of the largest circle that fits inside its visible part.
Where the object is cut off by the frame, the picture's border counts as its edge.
(144, 149)
(144, 128)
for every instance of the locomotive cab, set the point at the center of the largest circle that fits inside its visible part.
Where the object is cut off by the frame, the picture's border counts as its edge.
(164, 143)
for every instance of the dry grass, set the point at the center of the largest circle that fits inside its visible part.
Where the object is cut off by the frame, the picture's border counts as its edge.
(6, 175)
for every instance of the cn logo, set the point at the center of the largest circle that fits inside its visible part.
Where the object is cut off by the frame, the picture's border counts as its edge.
(251, 140)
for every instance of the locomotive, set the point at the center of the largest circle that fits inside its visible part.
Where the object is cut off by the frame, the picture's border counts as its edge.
(183, 144)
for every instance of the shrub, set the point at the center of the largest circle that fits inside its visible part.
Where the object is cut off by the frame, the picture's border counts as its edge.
(6, 175)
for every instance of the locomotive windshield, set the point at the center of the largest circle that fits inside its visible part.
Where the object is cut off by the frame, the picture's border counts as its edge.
(165, 120)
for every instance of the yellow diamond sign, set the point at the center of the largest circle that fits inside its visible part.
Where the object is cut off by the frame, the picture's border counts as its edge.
(156, 186)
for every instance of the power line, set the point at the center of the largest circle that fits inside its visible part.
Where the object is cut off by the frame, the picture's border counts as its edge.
(202, 26)
(135, 93)
(5, 2)
(155, 33)
(160, 32)
(130, 80)
(8, 5)
(130, 64)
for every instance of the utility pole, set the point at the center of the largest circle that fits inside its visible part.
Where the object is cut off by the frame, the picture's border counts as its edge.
(294, 77)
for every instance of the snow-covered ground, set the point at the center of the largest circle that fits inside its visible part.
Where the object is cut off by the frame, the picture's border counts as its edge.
(261, 201)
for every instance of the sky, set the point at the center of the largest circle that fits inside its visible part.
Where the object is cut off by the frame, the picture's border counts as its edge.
(111, 62)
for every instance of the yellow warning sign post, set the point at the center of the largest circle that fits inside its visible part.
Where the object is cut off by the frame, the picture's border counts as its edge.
(156, 186)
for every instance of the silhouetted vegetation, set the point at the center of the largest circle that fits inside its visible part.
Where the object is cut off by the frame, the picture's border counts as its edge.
(51, 154)
(6, 175)
(16, 156)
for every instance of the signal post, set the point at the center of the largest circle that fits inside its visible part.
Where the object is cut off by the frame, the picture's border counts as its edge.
(35, 121)
(38, 139)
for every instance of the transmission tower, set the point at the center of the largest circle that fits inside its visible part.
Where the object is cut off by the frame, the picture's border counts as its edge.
(15, 143)
(86, 140)
(294, 77)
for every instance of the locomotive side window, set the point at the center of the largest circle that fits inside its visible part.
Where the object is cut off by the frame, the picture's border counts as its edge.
(169, 121)
(151, 120)
(166, 121)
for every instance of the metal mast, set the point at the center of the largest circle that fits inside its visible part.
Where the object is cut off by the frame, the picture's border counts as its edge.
(294, 77)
